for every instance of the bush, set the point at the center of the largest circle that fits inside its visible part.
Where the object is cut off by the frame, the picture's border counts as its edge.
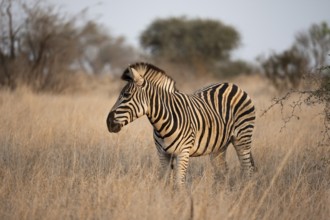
(234, 68)
(285, 70)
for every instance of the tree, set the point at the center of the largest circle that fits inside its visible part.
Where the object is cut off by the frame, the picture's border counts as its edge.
(100, 51)
(195, 42)
(43, 49)
(308, 53)
(314, 44)
(8, 39)
(48, 45)
(36, 47)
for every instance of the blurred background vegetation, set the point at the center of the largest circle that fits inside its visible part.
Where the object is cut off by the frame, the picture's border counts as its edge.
(47, 50)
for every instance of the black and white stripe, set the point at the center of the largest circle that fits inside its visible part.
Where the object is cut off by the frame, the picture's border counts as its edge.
(202, 123)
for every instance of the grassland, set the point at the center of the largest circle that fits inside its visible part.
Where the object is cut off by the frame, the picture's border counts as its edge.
(58, 161)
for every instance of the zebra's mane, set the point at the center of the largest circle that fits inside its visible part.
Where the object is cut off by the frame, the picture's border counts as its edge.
(152, 74)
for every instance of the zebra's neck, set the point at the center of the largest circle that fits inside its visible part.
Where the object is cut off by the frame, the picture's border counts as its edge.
(164, 112)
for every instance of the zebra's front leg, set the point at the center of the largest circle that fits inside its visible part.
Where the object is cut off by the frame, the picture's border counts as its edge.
(181, 169)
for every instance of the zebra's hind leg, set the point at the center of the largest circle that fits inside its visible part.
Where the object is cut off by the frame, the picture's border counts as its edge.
(167, 166)
(242, 146)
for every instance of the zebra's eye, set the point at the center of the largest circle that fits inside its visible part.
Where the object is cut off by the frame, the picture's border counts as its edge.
(126, 94)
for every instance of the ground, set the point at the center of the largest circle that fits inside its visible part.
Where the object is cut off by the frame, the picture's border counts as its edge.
(58, 161)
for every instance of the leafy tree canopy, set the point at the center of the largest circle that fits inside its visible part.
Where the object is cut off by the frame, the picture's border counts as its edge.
(190, 40)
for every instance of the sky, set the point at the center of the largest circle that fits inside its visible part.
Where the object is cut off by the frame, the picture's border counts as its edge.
(264, 25)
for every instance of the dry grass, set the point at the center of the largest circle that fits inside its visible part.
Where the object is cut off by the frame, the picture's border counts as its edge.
(58, 161)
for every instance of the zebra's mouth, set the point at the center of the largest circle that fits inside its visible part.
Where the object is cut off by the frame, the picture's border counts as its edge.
(113, 125)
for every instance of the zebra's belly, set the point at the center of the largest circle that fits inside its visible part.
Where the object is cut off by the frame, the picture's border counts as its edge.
(201, 149)
(209, 141)
(204, 143)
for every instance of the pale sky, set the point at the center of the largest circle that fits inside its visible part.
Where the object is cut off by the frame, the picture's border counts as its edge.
(264, 25)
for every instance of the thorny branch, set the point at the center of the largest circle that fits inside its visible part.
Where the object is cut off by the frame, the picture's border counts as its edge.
(317, 95)
(308, 97)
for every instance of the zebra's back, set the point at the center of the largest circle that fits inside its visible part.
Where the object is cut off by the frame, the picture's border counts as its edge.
(228, 113)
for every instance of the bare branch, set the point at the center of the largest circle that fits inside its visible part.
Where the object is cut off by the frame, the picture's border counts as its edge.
(319, 95)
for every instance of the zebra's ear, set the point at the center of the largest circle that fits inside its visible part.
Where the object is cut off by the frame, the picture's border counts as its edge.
(135, 76)
(132, 75)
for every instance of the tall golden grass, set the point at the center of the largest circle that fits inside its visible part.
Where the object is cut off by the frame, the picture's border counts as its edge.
(58, 161)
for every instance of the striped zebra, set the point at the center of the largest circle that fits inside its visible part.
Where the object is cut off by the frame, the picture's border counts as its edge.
(202, 123)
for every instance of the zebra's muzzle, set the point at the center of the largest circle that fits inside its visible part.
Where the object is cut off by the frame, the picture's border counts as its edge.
(113, 127)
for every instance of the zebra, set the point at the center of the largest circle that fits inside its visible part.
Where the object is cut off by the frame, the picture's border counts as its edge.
(186, 125)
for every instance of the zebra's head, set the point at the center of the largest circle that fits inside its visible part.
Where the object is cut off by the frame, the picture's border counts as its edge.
(132, 102)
